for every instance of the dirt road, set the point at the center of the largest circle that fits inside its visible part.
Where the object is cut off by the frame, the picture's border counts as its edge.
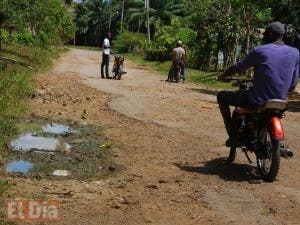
(169, 147)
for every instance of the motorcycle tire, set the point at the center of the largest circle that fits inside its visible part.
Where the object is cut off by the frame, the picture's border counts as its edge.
(120, 69)
(177, 77)
(268, 158)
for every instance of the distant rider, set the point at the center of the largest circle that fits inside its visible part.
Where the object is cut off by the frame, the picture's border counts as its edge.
(178, 57)
(276, 71)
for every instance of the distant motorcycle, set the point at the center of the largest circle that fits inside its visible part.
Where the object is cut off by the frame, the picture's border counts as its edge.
(118, 67)
(177, 73)
(261, 131)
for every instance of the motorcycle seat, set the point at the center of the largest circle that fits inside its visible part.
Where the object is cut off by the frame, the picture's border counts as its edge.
(273, 104)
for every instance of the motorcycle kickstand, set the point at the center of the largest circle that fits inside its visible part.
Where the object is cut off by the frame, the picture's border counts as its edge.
(247, 156)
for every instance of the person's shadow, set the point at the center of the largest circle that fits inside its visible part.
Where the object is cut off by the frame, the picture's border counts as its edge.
(232, 172)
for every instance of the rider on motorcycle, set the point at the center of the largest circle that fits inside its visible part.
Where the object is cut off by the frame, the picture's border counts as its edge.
(178, 57)
(276, 71)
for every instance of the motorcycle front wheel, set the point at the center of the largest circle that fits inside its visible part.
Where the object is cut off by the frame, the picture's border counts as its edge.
(268, 156)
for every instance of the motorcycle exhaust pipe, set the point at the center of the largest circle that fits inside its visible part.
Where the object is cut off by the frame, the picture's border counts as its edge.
(286, 153)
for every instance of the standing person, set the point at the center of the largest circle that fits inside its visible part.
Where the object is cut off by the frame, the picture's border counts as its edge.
(276, 71)
(178, 57)
(106, 56)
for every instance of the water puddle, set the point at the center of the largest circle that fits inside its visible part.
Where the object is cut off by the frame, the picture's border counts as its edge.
(31, 142)
(19, 167)
(58, 151)
(60, 129)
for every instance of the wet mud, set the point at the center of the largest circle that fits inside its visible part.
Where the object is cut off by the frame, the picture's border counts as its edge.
(61, 151)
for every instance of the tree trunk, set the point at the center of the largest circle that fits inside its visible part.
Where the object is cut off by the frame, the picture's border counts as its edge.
(148, 20)
(248, 30)
(217, 51)
(122, 15)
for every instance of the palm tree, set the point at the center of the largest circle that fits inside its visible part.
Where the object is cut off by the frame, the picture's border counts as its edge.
(136, 15)
(162, 12)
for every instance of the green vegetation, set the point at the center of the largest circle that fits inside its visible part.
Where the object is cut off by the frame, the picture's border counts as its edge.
(16, 85)
(30, 35)
(215, 33)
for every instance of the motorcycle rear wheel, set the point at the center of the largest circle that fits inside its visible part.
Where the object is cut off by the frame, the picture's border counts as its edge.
(268, 158)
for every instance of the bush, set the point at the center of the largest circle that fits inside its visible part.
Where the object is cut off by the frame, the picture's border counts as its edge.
(128, 42)
(44, 40)
(167, 36)
(158, 54)
(24, 38)
(166, 39)
(4, 36)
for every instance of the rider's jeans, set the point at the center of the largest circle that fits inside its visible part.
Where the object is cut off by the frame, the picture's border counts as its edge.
(232, 98)
(105, 62)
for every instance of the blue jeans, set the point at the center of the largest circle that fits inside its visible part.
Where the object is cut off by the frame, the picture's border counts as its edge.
(232, 98)
(105, 62)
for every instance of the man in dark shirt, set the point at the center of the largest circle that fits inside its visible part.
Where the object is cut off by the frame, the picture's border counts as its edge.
(276, 71)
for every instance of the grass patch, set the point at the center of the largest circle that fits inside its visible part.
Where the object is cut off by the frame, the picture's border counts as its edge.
(205, 78)
(24, 127)
(16, 83)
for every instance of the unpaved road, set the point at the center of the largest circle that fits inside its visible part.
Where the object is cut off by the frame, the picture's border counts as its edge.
(170, 151)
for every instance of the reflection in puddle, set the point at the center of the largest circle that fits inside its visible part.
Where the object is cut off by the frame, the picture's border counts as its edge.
(19, 167)
(54, 128)
(61, 173)
(29, 142)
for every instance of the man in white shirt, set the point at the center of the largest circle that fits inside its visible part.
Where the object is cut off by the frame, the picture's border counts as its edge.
(105, 56)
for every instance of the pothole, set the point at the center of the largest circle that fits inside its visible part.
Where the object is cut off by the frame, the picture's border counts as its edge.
(59, 151)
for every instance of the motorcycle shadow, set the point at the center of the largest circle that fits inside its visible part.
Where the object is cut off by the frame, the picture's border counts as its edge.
(204, 91)
(233, 172)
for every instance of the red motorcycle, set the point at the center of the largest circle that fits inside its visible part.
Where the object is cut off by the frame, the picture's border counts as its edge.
(260, 131)
(177, 73)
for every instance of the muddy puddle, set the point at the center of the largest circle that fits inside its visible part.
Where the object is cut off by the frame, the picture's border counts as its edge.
(19, 166)
(32, 142)
(61, 151)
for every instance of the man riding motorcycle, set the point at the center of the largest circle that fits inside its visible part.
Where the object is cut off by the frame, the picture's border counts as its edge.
(276, 71)
(178, 57)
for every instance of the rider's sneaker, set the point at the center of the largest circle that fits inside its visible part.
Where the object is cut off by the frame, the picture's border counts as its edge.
(231, 156)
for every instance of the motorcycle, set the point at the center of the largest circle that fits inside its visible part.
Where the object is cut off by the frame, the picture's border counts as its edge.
(260, 131)
(177, 73)
(118, 67)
